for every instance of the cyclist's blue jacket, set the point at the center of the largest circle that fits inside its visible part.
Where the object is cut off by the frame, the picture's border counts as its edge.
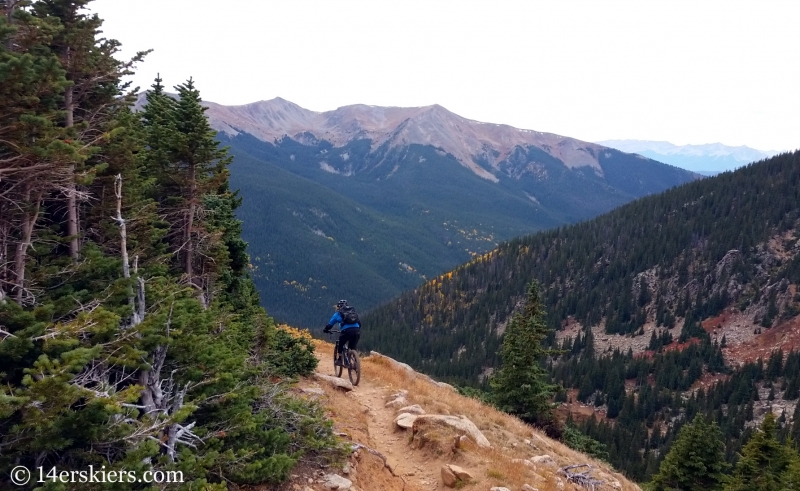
(337, 318)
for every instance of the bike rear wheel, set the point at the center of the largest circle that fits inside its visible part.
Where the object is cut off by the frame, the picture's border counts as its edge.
(353, 367)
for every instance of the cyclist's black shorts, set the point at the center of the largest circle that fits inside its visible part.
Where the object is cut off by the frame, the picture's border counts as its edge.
(349, 336)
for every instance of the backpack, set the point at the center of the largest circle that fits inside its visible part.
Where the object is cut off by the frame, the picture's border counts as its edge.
(349, 316)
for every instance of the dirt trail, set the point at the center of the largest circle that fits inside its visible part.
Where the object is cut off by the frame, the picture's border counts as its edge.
(378, 431)
(400, 461)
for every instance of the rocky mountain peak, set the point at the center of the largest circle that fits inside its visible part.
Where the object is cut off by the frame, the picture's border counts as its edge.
(466, 140)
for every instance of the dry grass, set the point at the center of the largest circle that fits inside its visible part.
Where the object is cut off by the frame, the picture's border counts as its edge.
(507, 434)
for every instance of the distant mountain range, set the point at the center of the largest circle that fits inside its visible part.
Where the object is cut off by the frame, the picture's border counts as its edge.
(363, 202)
(708, 159)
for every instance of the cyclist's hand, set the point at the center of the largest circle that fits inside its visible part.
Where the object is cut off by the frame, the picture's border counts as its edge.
(327, 329)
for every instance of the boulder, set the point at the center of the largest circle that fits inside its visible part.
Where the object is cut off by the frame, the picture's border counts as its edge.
(405, 420)
(336, 382)
(543, 459)
(398, 400)
(334, 481)
(462, 424)
(313, 391)
(499, 488)
(415, 409)
(528, 487)
(449, 478)
(461, 474)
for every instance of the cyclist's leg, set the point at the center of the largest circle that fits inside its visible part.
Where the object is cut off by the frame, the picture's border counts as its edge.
(353, 335)
(349, 336)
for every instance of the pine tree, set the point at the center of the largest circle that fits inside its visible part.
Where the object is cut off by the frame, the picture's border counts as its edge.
(520, 385)
(763, 461)
(696, 461)
(33, 151)
(92, 92)
(113, 360)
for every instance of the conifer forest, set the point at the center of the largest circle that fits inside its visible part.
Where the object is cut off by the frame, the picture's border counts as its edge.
(131, 336)
(700, 249)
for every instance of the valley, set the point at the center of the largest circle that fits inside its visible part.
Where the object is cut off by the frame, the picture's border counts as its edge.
(365, 202)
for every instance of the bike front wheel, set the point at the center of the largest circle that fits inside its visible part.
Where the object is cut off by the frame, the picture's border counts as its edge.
(337, 369)
(353, 367)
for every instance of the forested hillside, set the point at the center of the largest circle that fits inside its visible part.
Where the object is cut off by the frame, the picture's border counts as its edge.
(353, 221)
(131, 336)
(681, 255)
(658, 277)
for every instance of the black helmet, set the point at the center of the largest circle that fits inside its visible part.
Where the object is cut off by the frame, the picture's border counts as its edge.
(341, 304)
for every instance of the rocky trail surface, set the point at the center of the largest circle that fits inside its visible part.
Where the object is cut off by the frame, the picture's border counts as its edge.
(407, 432)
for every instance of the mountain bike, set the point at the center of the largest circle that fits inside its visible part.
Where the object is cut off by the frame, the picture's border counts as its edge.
(350, 361)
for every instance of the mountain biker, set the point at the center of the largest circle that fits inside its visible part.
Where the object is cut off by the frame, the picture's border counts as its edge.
(351, 326)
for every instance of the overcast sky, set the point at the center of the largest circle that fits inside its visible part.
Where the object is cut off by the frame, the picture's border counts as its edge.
(685, 72)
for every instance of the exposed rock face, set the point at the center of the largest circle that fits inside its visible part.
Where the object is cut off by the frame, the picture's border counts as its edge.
(461, 424)
(757, 300)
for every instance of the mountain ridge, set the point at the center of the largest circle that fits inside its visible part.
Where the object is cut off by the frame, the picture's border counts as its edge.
(467, 140)
(704, 158)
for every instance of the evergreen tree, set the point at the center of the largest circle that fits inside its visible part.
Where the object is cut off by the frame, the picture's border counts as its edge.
(696, 461)
(520, 385)
(115, 359)
(763, 461)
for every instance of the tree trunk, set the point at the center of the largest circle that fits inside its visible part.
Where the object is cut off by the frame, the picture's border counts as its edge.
(10, 6)
(123, 229)
(21, 253)
(137, 312)
(5, 272)
(72, 204)
(187, 233)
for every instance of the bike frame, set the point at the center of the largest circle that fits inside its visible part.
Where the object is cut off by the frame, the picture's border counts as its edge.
(345, 350)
